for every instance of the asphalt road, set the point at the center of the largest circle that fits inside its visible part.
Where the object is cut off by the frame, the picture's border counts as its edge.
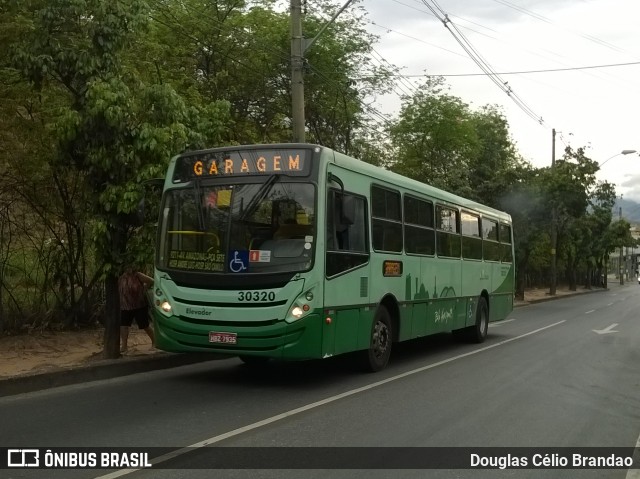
(555, 374)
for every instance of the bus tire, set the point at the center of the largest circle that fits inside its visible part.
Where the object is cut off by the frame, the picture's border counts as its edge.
(377, 356)
(478, 332)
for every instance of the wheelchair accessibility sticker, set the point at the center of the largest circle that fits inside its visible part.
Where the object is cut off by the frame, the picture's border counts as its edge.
(239, 261)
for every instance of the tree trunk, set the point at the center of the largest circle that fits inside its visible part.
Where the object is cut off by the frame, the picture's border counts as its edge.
(573, 278)
(521, 277)
(112, 296)
(112, 318)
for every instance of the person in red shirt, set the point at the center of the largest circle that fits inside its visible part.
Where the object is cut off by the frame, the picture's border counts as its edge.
(132, 286)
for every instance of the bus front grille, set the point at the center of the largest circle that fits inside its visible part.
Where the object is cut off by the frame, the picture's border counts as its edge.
(223, 322)
(214, 304)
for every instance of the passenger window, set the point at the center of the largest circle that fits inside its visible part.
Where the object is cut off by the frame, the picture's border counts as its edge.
(386, 221)
(419, 235)
(347, 245)
(490, 245)
(471, 240)
(448, 234)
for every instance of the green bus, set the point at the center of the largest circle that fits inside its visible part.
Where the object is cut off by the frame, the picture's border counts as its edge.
(296, 251)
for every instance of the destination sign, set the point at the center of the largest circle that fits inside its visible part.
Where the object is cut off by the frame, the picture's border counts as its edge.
(292, 162)
(392, 268)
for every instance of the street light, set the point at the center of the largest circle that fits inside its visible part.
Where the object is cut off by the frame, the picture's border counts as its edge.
(623, 152)
(620, 268)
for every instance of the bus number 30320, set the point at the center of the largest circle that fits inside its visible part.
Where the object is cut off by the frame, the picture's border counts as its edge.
(256, 296)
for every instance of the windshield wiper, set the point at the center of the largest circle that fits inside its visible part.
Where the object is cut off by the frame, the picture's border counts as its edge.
(259, 196)
(198, 200)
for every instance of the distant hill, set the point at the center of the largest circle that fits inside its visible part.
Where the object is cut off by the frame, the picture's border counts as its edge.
(630, 210)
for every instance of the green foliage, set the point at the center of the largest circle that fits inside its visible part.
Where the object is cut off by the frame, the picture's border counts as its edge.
(435, 138)
(496, 166)
(226, 51)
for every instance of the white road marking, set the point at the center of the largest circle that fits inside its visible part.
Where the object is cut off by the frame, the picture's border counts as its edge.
(607, 330)
(590, 311)
(634, 473)
(322, 402)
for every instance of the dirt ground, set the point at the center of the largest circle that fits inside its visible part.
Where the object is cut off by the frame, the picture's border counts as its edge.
(49, 350)
(54, 350)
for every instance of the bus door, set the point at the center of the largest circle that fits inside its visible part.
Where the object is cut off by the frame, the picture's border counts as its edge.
(347, 274)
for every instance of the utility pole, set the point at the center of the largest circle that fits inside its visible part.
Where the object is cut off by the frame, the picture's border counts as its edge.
(627, 262)
(554, 226)
(297, 74)
(298, 48)
(620, 269)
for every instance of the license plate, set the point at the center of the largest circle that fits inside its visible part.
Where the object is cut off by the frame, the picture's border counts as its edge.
(223, 338)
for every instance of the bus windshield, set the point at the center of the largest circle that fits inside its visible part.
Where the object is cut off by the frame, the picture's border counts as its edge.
(261, 227)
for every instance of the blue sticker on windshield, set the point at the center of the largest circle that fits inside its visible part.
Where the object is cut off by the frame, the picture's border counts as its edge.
(239, 261)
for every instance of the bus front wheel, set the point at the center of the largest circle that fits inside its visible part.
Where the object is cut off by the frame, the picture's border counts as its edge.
(377, 356)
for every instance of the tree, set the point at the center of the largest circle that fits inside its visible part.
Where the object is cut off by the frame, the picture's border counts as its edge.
(227, 50)
(112, 127)
(434, 138)
(591, 234)
(341, 79)
(567, 191)
(495, 167)
(524, 200)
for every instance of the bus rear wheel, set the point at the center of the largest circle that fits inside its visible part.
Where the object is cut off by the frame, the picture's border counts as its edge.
(377, 356)
(478, 332)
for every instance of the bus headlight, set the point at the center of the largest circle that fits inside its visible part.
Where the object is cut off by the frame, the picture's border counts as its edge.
(166, 306)
(300, 307)
(161, 302)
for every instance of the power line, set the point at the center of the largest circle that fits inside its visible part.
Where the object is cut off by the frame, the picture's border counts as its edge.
(415, 38)
(479, 60)
(555, 53)
(454, 16)
(403, 84)
(544, 19)
(523, 72)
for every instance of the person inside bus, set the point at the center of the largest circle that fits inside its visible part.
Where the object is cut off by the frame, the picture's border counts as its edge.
(132, 287)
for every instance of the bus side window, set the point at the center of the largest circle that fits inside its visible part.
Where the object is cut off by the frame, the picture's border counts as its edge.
(346, 234)
(332, 214)
(340, 228)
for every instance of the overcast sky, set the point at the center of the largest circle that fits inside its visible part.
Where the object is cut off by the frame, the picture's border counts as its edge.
(590, 103)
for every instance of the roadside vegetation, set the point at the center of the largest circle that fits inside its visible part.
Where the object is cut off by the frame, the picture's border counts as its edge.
(97, 96)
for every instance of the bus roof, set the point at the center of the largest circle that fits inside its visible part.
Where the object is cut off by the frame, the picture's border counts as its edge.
(416, 186)
(372, 171)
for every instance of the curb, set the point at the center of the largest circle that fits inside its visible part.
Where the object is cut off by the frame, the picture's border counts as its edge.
(519, 304)
(103, 369)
